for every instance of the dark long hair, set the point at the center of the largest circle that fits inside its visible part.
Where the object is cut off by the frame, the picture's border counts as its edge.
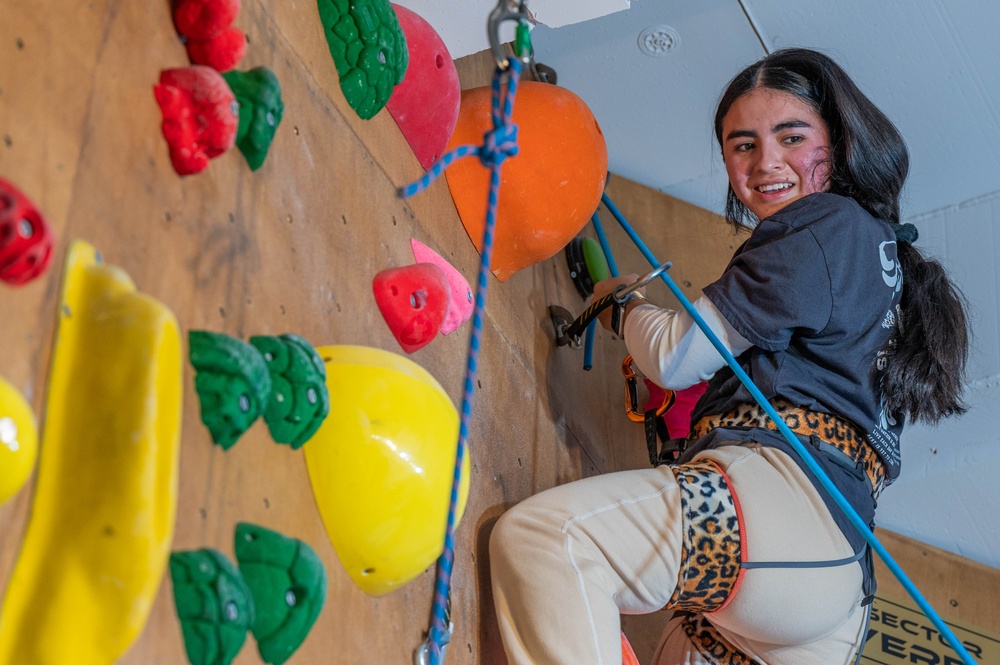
(869, 162)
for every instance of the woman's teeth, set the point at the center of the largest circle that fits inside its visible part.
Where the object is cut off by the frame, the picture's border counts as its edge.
(774, 188)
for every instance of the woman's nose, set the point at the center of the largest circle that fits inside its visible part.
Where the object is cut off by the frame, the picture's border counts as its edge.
(768, 158)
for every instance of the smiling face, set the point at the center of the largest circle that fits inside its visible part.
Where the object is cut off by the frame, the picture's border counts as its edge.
(777, 150)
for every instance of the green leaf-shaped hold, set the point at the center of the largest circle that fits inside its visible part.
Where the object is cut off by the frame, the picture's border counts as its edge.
(259, 95)
(232, 382)
(369, 49)
(288, 584)
(213, 603)
(299, 397)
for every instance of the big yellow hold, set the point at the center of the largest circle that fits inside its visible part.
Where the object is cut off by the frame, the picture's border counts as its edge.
(381, 465)
(18, 441)
(106, 492)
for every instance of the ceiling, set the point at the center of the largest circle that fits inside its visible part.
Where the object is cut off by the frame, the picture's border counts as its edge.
(930, 65)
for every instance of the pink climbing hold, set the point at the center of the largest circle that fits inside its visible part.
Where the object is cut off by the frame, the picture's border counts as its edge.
(425, 105)
(461, 303)
(413, 301)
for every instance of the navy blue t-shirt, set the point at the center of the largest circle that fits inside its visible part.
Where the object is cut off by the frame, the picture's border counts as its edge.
(815, 288)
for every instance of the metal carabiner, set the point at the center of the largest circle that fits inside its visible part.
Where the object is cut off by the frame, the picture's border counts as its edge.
(623, 291)
(632, 395)
(422, 654)
(506, 10)
(631, 392)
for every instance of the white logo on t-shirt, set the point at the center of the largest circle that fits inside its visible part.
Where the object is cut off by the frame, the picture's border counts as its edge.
(892, 273)
(885, 419)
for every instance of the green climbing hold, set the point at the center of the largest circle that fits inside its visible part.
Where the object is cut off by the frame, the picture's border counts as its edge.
(232, 382)
(368, 48)
(597, 263)
(288, 584)
(258, 93)
(214, 605)
(299, 397)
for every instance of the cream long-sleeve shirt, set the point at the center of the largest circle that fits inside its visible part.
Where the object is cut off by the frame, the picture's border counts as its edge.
(670, 348)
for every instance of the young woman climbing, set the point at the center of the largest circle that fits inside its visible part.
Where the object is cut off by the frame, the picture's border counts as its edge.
(846, 328)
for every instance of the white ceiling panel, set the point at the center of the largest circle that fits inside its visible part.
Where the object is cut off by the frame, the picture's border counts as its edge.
(462, 24)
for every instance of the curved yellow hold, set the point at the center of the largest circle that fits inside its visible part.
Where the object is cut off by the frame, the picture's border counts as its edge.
(381, 465)
(18, 441)
(106, 493)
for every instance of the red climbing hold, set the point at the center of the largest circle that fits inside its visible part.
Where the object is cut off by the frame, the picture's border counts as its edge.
(25, 237)
(414, 301)
(200, 116)
(425, 105)
(204, 19)
(221, 52)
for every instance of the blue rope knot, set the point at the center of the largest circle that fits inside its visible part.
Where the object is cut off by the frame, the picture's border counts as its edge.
(498, 144)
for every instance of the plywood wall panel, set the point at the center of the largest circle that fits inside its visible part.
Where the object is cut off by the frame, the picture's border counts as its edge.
(958, 589)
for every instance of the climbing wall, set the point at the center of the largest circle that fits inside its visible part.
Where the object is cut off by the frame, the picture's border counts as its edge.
(293, 247)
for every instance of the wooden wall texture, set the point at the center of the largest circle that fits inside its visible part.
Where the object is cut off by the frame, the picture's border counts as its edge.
(293, 248)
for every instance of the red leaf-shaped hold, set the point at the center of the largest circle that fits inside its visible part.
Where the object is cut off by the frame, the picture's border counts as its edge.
(222, 52)
(200, 116)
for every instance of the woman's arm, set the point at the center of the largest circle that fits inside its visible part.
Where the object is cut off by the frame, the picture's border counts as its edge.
(671, 350)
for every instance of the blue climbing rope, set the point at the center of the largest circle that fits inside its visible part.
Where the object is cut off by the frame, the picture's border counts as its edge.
(816, 470)
(602, 238)
(498, 144)
(588, 345)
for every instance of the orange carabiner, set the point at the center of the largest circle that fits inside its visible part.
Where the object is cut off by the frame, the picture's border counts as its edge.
(632, 395)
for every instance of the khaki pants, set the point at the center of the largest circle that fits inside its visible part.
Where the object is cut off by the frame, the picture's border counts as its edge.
(568, 561)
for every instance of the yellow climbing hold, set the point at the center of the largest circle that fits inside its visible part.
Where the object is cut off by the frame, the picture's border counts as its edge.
(381, 465)
(18, 441)
(105, 496)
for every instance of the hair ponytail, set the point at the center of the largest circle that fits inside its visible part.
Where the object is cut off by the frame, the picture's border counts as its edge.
(925, 365)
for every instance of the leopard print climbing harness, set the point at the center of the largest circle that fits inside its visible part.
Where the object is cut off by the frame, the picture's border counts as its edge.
(712, 550)
(838, 432)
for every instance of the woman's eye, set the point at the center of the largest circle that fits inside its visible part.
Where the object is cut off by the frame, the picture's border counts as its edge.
(744, 147)
(792, 140)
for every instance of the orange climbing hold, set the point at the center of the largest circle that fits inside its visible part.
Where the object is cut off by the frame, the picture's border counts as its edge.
(548, 191)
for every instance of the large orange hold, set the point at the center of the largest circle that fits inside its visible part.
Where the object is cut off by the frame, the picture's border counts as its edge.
(548, 191)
